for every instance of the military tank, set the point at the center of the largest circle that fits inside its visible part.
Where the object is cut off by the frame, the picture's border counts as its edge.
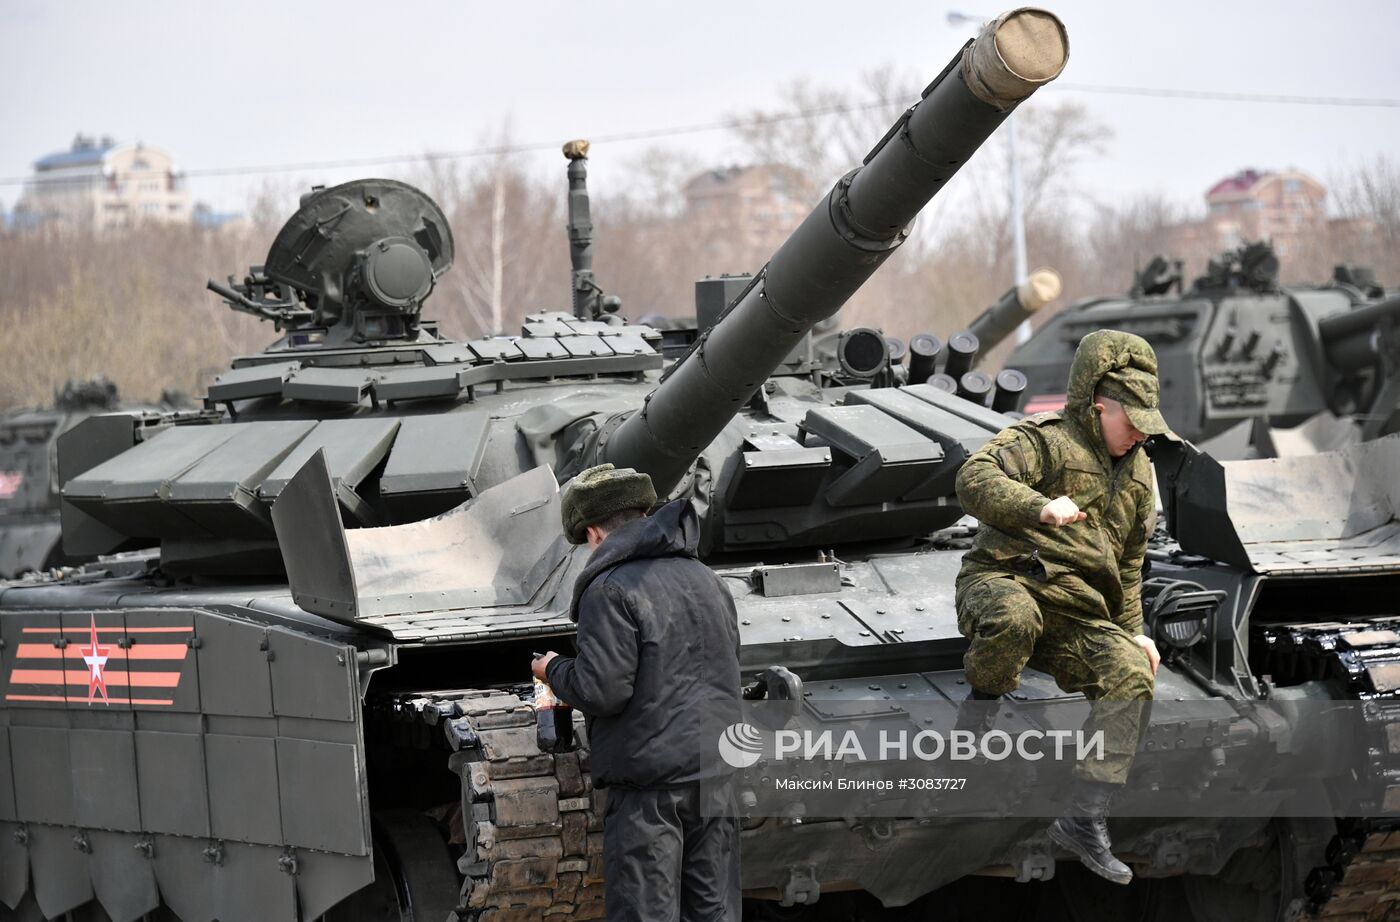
(1249, 367)
(304, 699)
(29, 500)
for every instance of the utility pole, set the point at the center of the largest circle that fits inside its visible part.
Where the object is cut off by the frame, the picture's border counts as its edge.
(1018, 220)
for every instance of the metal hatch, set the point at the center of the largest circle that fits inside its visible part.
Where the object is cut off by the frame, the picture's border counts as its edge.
(1328, 513)
(889, 458)
(496, 549)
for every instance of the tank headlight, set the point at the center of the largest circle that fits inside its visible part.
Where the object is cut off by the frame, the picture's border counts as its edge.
(863, 352)
(1177, 613)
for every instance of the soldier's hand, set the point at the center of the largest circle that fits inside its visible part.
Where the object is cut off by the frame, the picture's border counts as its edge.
(537, 666)
(1150, 649)
(1061, 511)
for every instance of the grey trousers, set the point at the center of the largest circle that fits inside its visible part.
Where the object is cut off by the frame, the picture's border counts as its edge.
(664, 861)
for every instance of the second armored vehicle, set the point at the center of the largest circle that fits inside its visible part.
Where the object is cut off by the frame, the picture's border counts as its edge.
(29, 475)
(1248, 366)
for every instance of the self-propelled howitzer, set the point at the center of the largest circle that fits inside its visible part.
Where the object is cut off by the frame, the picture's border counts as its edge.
(1249, 366)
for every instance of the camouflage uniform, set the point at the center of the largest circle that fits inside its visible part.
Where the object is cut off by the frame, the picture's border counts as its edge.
(1064, 599)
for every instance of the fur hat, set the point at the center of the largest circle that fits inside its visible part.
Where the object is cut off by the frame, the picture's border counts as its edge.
(600, 492)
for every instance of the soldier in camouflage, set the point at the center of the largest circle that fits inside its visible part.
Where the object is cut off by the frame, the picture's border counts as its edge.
(1054, 576)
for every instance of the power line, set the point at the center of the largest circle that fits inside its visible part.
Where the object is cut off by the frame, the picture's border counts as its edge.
(1221, 96)
(720, 125)
(471, 153)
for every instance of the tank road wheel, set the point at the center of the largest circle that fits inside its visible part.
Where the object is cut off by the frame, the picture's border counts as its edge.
(1089, 898)
(767, 911)
(1247, 889)
(1263, 884)
(415, 878)
(970, 899)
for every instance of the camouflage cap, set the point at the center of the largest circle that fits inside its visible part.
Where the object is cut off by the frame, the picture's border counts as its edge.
(1136, 390)
(602, 491)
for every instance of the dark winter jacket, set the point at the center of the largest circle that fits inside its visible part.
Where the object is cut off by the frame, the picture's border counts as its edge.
(657, 670)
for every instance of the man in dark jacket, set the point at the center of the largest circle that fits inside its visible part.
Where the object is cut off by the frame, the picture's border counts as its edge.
(657, 671)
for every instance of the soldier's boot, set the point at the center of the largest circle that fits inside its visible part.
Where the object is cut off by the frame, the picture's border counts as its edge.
(1084, 830)
(977, 714)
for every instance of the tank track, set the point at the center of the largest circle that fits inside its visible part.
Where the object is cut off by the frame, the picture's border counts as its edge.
(1361, 880)
(529, 822)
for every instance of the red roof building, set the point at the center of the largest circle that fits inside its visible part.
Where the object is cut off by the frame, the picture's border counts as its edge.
(1286, 208)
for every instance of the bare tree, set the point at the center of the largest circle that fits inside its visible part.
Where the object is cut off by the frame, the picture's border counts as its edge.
(657, 178)
(823, 131)
(75, 303)
(129, 305)
(484, 279)
(1121, 239)
(510, 246)
(1366, 229)
(276, 198)
(1052, 142)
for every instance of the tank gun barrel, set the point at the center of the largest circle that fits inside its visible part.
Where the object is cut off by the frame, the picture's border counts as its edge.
(1355, 340)
(840, 244)
(1015, 307)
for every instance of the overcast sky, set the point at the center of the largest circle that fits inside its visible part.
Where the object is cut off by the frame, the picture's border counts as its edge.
(259, 83)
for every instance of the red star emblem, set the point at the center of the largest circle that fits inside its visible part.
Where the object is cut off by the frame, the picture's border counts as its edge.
(96, 658)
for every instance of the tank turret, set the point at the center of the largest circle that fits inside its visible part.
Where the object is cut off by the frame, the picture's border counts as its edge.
(408, 433)
(841, 243)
